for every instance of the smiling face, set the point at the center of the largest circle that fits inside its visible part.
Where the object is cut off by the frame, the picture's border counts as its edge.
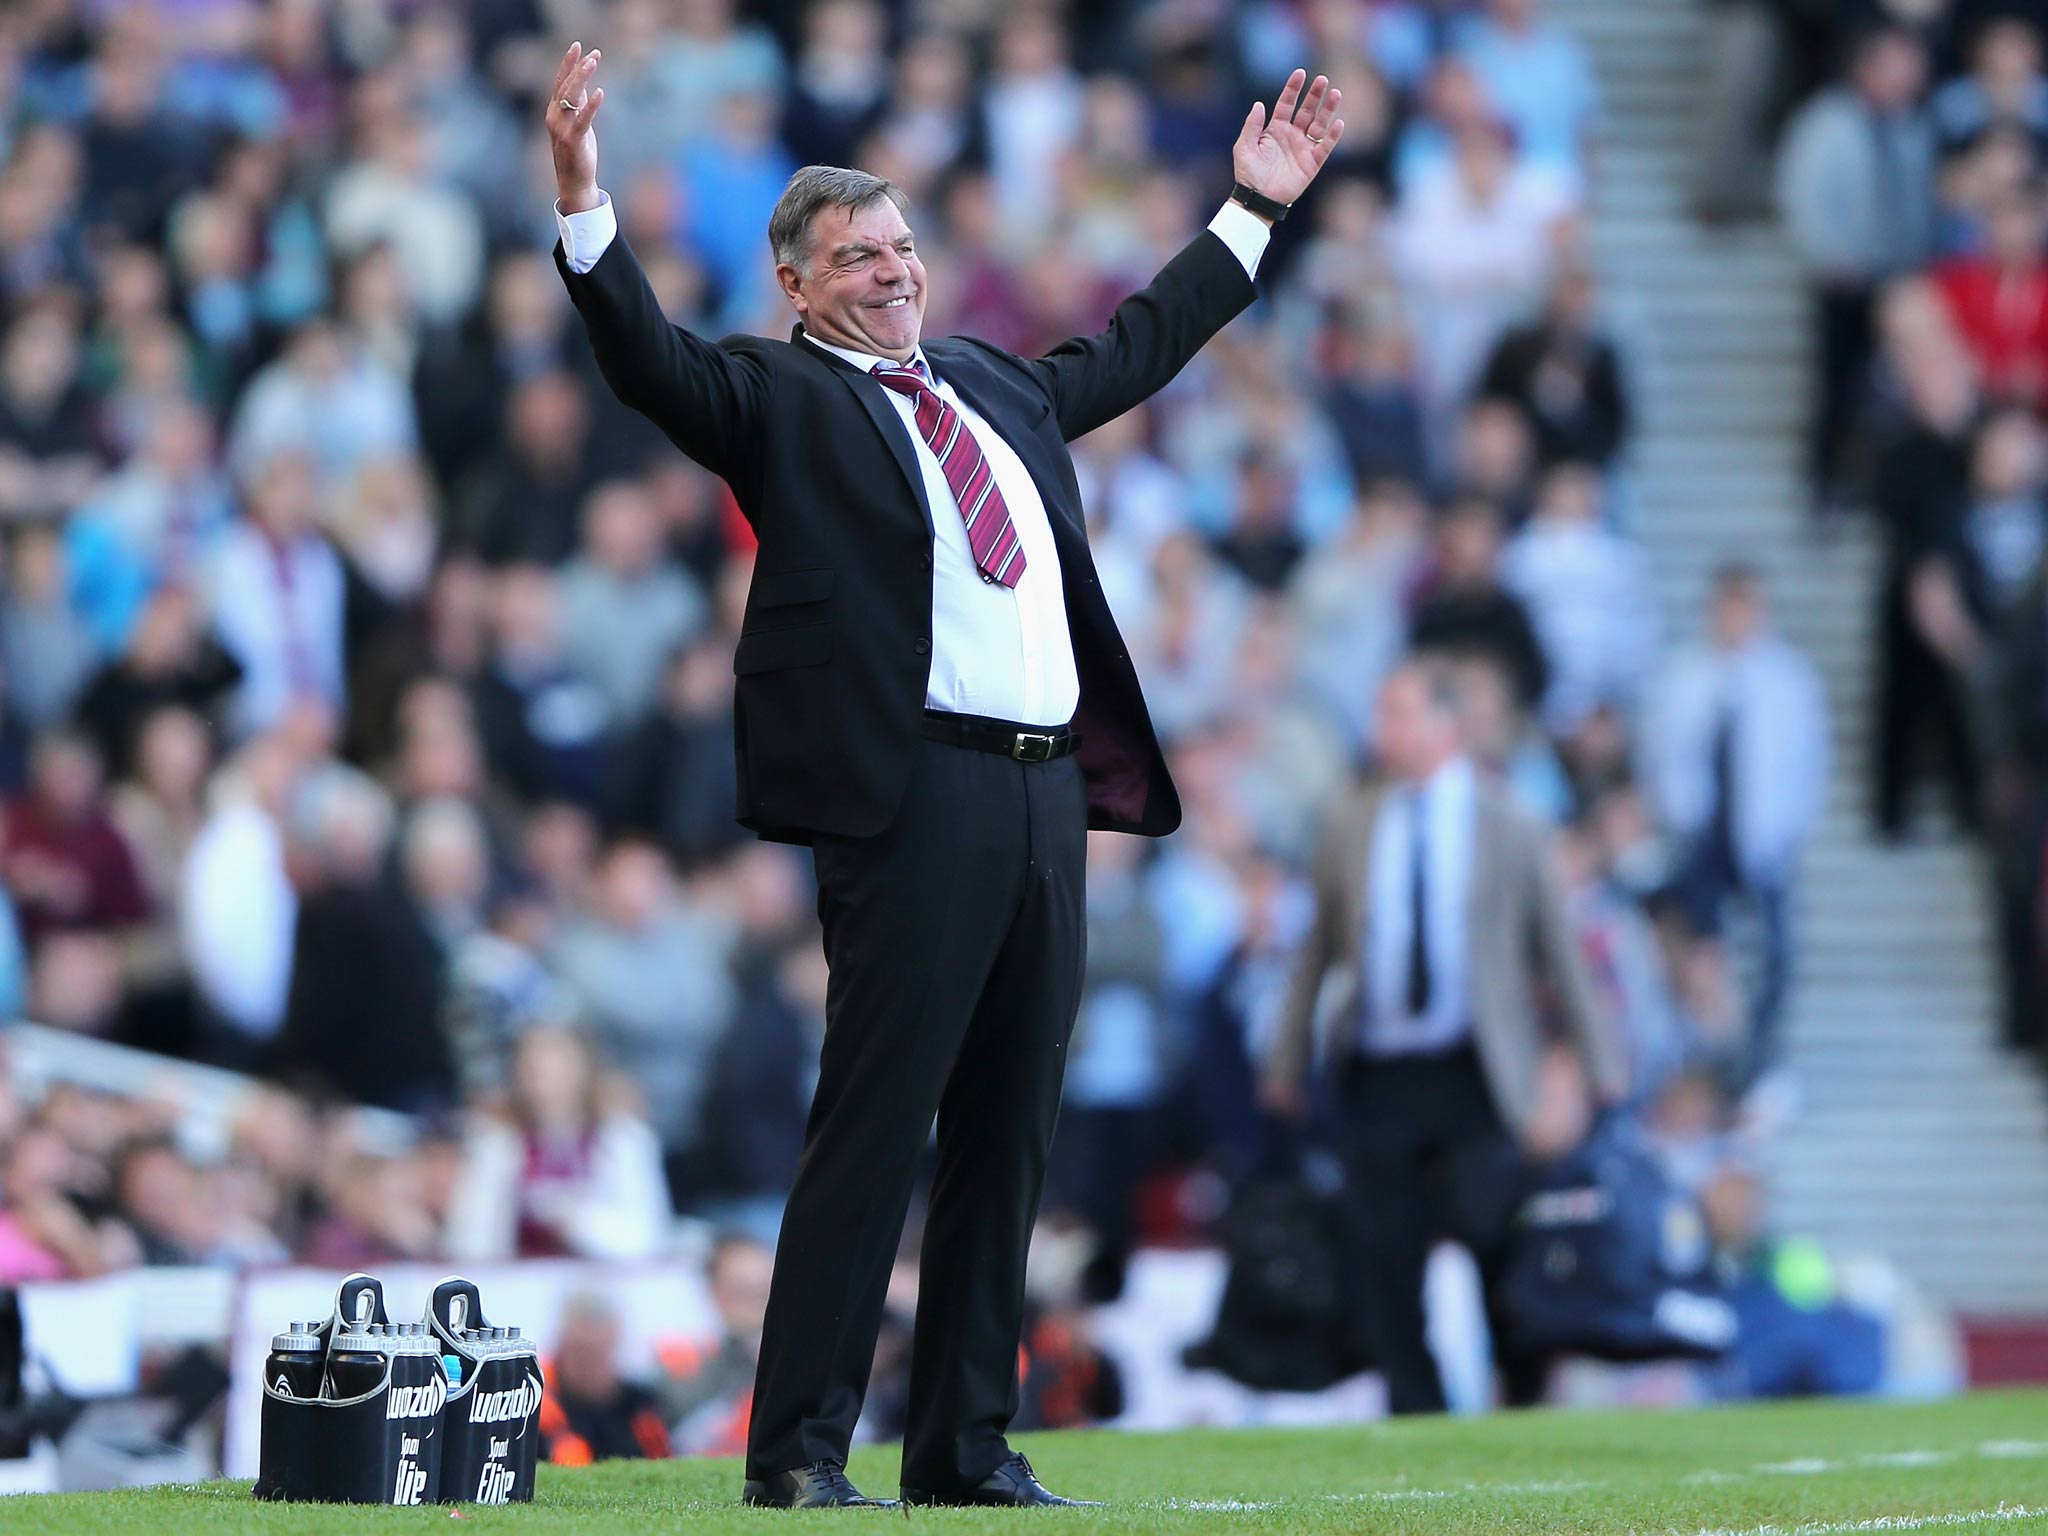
(862, 286)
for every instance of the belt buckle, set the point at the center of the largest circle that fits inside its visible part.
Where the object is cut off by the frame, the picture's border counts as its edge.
(1033, 746)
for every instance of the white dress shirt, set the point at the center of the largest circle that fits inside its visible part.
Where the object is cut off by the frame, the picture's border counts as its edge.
(999, 651)
(1447, 804)
(1780, 759)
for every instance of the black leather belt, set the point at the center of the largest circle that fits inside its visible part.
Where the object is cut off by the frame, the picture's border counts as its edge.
(1005, 738)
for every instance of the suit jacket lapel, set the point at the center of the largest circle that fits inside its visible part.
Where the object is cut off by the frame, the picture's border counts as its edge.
(874, 400)
(965, 371)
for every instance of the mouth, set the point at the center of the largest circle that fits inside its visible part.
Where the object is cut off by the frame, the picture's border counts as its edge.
(901, 301)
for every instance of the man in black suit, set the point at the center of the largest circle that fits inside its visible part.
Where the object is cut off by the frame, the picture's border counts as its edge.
(933, 696)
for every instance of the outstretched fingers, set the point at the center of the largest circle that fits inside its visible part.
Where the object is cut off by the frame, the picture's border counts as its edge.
(1311, 102)
(1283, 109)
(1254, 125)
(569, 62)
(587, 111)
(1318, 126)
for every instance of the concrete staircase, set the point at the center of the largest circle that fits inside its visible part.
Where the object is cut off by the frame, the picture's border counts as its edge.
(1919, 1139)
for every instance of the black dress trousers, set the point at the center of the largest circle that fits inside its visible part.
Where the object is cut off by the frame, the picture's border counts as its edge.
(955, 938)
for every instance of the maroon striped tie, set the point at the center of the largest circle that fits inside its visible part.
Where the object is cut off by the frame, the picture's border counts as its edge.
(990, 533)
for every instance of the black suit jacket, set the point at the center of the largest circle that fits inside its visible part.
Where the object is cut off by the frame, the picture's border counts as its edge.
(835, 648)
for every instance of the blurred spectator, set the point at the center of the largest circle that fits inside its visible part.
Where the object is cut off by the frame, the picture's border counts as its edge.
(44, 1232)
(372, 1213)
(168, 660)
(45, 647)
(728, 180)
(1739, 764)
(1261, 543)
(2022, 833)
(363, 1015)
(1797, 1336)
(159, 809)
(624, 607)
(1493, 458)
(2004, 89)
(156, 520)
(522, 503)
(676, 781)
(707, 1386)
(591, 1411)
(67, 865)
(1923, 477)
(1588, 592)
(1372, 400)
(389, 195)
(567, 1171)
(650, 970)
(324, 398)
(1856, 185)
(543, 726)
(1033, 104)
(157, 1195)
(1473, 243)
(1469, 611)
(839, 85)
(278, 598)
(238, 910)
(1998, 301)
(1508, 741)
(463, 391)
(1564, 376)
(1439, 915)
(1539, 76)
(1349, 600)
(48, 455)
(1116, 1069)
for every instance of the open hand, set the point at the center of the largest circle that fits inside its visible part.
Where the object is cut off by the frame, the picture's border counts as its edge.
(1280, 157)
(571, 107)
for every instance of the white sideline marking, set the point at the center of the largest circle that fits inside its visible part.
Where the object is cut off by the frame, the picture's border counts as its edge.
(1805, 1466)
(1885, 1523)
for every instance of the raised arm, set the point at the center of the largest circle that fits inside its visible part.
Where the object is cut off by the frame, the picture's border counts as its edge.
(708, 400)
(1152, 336)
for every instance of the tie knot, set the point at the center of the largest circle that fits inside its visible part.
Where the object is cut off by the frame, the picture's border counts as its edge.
(908, 378)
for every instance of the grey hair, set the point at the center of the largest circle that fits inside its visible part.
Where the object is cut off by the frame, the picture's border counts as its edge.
(812, 189)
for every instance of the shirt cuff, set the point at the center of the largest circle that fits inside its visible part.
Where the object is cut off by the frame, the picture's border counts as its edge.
(1239, 228)
(587, 235)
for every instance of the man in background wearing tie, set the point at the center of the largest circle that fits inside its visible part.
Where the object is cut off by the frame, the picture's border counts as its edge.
(932, 695)
(1738, 757)
(1440, 953)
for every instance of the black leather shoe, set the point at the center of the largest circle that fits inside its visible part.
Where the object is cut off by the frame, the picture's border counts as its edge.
(821, 1485)
(1012, 1485)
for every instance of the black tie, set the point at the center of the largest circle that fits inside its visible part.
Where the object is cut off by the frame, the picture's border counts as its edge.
(1418, 913)
(1721, 826)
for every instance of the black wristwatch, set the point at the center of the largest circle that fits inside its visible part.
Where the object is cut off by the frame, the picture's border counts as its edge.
(1265, 207)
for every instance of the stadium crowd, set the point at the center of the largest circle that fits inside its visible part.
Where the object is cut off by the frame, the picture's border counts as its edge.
(365, 722)
(1913, 185)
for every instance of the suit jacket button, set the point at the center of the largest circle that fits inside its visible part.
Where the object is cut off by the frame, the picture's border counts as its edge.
(922, 646)
(924, 562)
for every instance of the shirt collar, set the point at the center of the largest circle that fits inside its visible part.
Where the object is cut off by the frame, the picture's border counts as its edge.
(1454, 780)
(867, 362)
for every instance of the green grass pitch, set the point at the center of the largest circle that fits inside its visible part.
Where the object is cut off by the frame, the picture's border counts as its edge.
(1796, 1470)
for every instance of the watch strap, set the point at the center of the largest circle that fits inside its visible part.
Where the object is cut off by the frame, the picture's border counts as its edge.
(1264, 206)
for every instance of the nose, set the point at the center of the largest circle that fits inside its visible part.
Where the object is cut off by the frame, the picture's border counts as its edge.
(892, 270)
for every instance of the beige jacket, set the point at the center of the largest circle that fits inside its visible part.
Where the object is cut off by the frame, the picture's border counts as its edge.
(1524, 961)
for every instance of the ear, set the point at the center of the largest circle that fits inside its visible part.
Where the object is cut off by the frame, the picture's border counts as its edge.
(791, 282)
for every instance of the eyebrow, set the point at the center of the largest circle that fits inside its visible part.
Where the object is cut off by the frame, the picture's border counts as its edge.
(868, 247)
